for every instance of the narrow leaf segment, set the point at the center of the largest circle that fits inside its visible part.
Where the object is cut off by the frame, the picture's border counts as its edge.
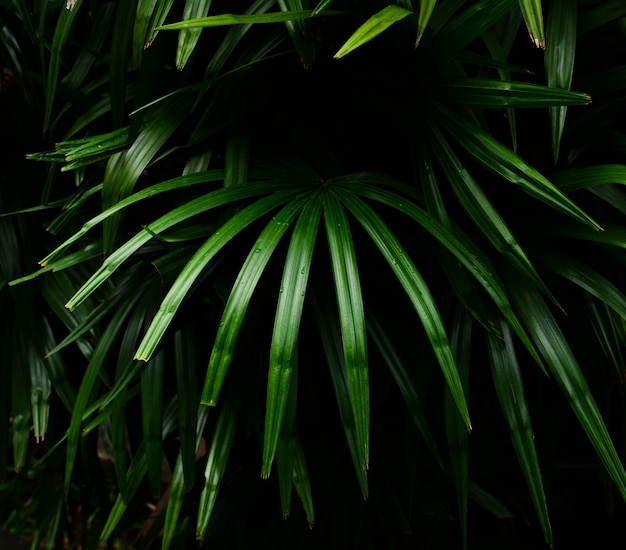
(376, 24)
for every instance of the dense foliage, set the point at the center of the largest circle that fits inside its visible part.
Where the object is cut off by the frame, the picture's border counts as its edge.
(372, 252)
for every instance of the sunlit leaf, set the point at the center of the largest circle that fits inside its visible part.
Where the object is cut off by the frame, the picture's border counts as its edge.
(234, 19)
(426, 9)
(376, 24)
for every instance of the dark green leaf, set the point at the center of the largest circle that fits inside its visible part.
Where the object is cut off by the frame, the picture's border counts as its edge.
(531, 10)
(559, 60)
(496, 94)
(512, 397)
(564, 367)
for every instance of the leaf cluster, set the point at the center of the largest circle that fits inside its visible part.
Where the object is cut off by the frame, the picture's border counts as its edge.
(362, 249)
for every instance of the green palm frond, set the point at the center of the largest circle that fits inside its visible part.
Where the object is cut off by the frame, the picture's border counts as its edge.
(259, 257)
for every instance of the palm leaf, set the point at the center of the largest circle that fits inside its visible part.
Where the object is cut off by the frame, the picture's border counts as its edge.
(462, 248)
(601, 15)
(480, 209)
(470, 24)
(235, 19)
(497, 158)
(287, 323)
(285, 445)
(302, 35)
(152, 419)
(168, 185)
(512, 397)
(136, 472)
(188, 38)
(123, 169)
(302, 482)
(559, 60)
(565, 369)
(589, 176)
(239, 299)
(426, 10)
(222, 441)
(187, 390)
(495, 94)
(461, 342)
(531, 10)
(40, 389)
(330, 334)
(351, 316)
(177, 489)
(608, 335)
(89, 382)
(20, 410)
(417, 291)
(150, 15)
(400, 370)
(321, 6)
(589, 279)
(376, 24)
(62, 32)
(197, 264)
(173, 217)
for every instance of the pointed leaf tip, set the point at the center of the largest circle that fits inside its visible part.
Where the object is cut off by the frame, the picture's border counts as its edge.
(375, 25)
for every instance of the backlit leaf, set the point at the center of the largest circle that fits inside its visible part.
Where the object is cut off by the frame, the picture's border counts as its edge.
(376, 24)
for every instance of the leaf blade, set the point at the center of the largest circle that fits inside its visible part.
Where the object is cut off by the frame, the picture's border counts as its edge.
(351, 316)
(287, 323)
(375, 25)
(533, 16)
(418, 293)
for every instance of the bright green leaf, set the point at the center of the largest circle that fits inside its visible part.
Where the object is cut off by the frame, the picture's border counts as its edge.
(376, 24)
(287, 324)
